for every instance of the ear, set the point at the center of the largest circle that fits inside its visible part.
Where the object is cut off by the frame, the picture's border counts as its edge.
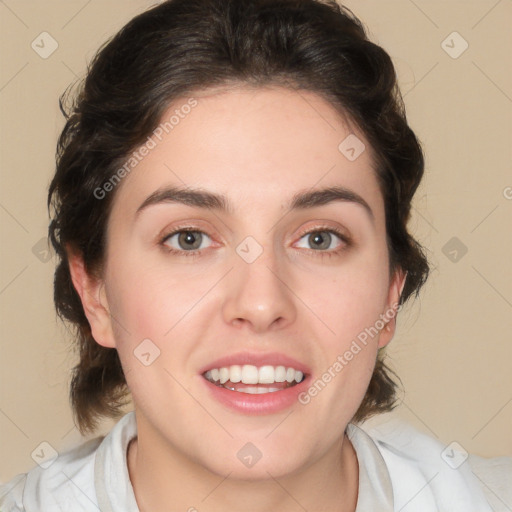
(389, 315)
(94, 300)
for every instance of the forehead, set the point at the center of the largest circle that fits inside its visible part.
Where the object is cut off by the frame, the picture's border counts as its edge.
(258, 147)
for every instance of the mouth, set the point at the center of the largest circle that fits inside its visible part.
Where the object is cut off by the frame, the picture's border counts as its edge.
(252, 383)
(253, 379)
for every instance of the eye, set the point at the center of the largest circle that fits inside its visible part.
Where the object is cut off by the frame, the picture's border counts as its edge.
(321, 240)
(185, 241)
(188, 241)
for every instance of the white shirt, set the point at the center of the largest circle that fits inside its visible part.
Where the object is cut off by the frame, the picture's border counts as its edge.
(400, 469)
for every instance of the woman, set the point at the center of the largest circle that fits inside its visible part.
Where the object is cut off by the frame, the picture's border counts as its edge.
(230, 210)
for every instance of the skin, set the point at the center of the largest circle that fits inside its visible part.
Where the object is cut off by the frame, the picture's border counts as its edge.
(258, 147)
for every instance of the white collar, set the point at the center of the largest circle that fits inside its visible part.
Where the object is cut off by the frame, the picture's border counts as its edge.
(115, 492)
(400, 468)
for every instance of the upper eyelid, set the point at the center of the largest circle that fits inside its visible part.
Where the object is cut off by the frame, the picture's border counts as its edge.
(303, 232)
(190, 228)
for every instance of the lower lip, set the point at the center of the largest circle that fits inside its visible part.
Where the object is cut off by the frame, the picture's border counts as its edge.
(264, 403)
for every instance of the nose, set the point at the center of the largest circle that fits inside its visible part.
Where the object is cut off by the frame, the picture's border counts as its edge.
(259, 295)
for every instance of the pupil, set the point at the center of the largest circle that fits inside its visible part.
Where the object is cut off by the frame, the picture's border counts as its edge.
(188, 237)
(317, 238)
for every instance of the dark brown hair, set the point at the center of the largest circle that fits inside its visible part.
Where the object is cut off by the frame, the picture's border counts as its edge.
(182, 46)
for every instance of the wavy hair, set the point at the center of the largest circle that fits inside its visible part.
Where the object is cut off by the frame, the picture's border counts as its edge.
(182, 46)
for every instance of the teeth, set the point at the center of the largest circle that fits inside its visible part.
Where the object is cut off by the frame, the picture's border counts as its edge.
(280, 374)
(249, 374)
(224, 375)
(235, 373)
(254, 390)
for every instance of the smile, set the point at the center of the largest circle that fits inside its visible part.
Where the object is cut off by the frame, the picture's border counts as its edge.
(268, 378)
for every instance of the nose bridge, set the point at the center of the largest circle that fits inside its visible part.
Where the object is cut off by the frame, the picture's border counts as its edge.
(258, 294)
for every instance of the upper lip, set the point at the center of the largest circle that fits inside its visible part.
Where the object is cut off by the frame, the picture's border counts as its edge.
(257, 359)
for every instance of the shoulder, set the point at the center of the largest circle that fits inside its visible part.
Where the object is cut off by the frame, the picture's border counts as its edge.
(87, 478)
(424, 470)
(495, 474)
(64, 484)
(11, 494)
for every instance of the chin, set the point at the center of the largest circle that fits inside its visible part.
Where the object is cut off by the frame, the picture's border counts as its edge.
(248, 461)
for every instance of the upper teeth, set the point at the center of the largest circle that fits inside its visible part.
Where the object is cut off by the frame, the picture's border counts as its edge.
(249, 374)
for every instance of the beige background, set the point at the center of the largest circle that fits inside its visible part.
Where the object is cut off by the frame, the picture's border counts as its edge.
(453, 348)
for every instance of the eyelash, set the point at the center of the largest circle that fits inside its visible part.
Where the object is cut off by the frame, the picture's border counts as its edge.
(320, 229)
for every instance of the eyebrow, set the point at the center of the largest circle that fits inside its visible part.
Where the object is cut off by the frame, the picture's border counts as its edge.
(201, 198)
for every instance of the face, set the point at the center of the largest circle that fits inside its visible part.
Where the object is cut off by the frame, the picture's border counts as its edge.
(262, 281)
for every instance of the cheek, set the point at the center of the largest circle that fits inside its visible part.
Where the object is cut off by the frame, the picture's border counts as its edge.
(347, 333)
(347, 299)
(151, 300)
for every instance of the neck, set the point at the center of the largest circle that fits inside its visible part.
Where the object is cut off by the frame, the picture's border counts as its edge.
(165, 479)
